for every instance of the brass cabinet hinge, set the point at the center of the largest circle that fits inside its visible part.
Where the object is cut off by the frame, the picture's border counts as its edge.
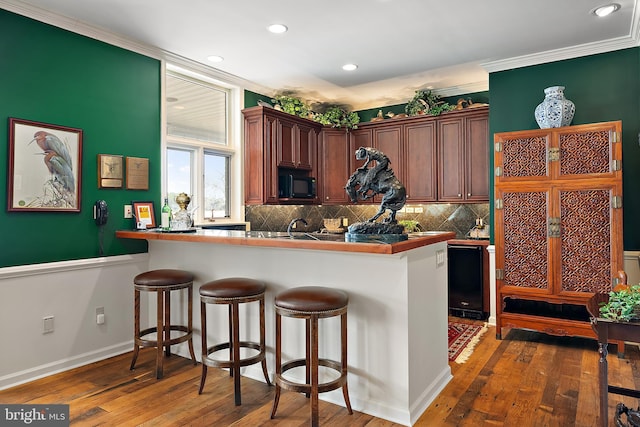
(553, 155)
(615, 137)
(616, 202)
(498, 146)
(617, 165)
(553, 227)
(499, 274)
(498, 203)
(498, 171)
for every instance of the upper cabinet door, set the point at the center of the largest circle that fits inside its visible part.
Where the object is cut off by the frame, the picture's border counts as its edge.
(285, 143)
(335, 170)
(306, 147)
(420, 162)
(477, 159)
(451, 160)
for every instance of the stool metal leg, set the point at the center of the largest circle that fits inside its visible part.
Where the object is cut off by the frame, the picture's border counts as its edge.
(263, 345)
(313, 332)
(160, 332)
(308, 353)
(345, 390)
(278, 363)
(236, 353)
(167, 321)
(136, 327)
(190, 323)
(203, 328)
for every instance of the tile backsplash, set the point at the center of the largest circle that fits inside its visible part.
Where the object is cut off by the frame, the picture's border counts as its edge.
(459, 218)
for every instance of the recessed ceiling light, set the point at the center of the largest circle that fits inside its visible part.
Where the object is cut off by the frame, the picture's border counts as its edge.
(606, 10)
(349, 67)
(277, 28)
(215, 58)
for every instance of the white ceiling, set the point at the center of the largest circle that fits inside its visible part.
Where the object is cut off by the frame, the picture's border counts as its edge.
(399, 45)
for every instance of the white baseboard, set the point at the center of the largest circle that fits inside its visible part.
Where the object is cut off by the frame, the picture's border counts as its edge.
(58, 366)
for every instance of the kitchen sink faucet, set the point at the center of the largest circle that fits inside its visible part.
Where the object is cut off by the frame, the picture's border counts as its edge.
(293, 223)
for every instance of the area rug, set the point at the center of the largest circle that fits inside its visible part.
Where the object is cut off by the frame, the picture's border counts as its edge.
(463, 338)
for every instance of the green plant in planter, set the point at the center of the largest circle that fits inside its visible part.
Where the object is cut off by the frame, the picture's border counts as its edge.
(292, 105)
(410, 225)
(426, 102)
(623, 304)
(337, 117)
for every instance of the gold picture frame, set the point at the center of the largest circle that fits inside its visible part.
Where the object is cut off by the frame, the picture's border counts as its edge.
(110, 171)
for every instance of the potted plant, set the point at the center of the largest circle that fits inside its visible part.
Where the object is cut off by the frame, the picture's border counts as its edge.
(426, 102)
(292, 105)
(336, 116)
(623, 304)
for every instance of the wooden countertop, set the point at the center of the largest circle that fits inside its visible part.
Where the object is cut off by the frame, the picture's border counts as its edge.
(228, 237)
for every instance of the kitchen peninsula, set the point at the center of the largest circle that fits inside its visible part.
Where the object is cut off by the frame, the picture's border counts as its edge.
(397, 318)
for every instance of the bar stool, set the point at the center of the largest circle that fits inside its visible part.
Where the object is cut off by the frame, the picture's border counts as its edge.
(162, 282)
(232, 292)
(311, 303)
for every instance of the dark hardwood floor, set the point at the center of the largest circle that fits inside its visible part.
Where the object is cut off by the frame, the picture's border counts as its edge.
(526, 379)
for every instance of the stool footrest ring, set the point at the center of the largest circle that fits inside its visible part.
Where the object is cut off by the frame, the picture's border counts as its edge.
(172, 341)
(206, 360)
(306, 388)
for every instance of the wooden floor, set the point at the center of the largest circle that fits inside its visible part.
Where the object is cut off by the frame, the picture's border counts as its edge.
(526, 379)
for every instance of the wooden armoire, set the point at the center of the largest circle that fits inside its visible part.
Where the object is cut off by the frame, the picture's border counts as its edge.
(558, 225)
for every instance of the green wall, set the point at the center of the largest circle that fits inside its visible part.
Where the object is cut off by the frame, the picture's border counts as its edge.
(604, 87)
(54, 76)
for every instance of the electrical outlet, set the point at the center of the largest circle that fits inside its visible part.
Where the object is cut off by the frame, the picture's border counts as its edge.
(345, 222)
(409, 210)
(440, 258)
(418, 209)
(100, 315)
(128, 211)
(47, 324)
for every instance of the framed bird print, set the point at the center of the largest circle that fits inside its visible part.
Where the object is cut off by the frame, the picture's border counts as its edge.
(45, 165)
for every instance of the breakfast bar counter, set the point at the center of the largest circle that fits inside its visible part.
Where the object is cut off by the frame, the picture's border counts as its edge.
(316, 241)
(397, 315)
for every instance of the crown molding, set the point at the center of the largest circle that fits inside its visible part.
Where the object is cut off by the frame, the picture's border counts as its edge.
(560, 54)
(619, 43)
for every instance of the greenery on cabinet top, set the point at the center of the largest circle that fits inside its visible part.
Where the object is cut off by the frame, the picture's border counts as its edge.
(339, 116)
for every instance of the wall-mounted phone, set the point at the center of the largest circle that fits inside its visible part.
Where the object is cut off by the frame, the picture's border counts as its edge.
(100, 212)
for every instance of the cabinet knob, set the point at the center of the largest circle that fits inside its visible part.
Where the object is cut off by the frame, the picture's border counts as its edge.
(468, 194)
(327, 197)
(459, 195)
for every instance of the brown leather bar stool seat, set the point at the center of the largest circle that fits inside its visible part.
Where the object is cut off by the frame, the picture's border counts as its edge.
(232, 292)
(162, 282)
(311, 303)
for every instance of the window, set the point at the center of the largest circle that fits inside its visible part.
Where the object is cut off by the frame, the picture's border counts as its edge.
(200, 150)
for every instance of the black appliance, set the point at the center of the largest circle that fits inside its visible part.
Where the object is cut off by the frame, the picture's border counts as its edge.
(465, 281)
(296, 187)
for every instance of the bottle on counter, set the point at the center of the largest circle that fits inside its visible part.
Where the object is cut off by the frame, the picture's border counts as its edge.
(165, 221)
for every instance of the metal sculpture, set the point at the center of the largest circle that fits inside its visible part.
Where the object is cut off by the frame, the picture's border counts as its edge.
(366, 182)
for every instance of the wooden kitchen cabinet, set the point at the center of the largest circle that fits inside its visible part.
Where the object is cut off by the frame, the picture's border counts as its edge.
(276, 142)
(335, 166)
(420, 162)
(296, 143)
(558, 225)
(463, 158)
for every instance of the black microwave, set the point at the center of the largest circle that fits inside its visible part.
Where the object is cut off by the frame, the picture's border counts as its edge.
(296, 187)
